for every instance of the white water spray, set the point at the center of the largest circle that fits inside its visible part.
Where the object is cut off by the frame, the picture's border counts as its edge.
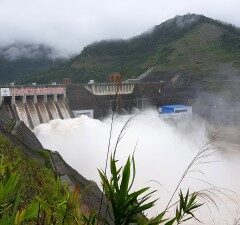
(163, 152)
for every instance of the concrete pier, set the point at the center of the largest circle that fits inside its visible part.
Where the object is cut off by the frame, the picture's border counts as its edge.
(24, 92)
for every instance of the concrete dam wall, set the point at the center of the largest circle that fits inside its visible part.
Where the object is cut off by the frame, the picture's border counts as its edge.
(39, 104)
(35, 105)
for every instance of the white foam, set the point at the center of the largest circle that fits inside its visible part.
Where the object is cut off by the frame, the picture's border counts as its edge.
(163, 153)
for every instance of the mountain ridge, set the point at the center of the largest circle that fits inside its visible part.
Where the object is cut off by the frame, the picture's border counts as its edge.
(162, 48)
(190, 42)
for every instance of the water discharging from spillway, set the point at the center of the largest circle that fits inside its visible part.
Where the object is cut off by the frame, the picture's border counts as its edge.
(63, 109)
(33, 114)
(53, 109)
(162, 154)
(21, 111)
(43, 111)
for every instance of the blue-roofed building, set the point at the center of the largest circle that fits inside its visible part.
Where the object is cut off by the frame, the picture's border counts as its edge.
(175, 111)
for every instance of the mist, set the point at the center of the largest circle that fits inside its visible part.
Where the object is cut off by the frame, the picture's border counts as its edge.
(163, 151)
(29, 51)
(221, 104)
(69, 25)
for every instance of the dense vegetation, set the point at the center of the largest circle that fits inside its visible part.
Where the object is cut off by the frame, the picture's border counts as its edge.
(30, 193)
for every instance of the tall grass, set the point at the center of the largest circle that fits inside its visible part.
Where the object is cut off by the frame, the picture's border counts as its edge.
(62, 207)
(31, 194)
(129, 206)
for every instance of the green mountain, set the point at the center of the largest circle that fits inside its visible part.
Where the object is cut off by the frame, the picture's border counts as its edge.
(190, 46)
(191, 43)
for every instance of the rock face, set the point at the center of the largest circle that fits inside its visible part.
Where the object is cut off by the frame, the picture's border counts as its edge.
(20, 135)
(92, 196)
(23, 133)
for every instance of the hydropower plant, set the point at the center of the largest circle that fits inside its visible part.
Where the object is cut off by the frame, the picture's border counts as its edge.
(36, 104)
(39, 104)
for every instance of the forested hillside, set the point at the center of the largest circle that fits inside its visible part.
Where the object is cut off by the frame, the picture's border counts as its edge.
(188, 43)
(192, 45)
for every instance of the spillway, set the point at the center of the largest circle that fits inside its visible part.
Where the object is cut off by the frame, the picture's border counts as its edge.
(21, 112)
(34, 104)
(43, 111)
(63, 109)
(52, 109)
(34, 113)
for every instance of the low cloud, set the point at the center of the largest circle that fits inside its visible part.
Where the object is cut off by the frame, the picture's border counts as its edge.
(69, 25)
(21, 50)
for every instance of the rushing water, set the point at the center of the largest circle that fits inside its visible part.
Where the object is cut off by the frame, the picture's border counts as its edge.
(43, 111)
(63, 109)
(32, 114)
(163, 151)
(22, 114)
(52, 109)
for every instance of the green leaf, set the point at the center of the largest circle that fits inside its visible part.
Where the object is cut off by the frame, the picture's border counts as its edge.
(125, 179)
(171, 222)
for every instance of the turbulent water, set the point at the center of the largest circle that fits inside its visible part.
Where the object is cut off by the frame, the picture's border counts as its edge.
(32, 114)
(163, 151)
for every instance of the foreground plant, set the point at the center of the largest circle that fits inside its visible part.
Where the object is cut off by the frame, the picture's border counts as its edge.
(11, 209)
(62, 208)
(53, 204)
(126, 205)
(129, 206)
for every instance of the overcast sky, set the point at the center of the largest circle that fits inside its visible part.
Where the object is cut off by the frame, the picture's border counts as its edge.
(69, 25)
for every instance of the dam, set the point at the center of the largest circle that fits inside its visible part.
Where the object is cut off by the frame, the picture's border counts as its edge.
(37, 104)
